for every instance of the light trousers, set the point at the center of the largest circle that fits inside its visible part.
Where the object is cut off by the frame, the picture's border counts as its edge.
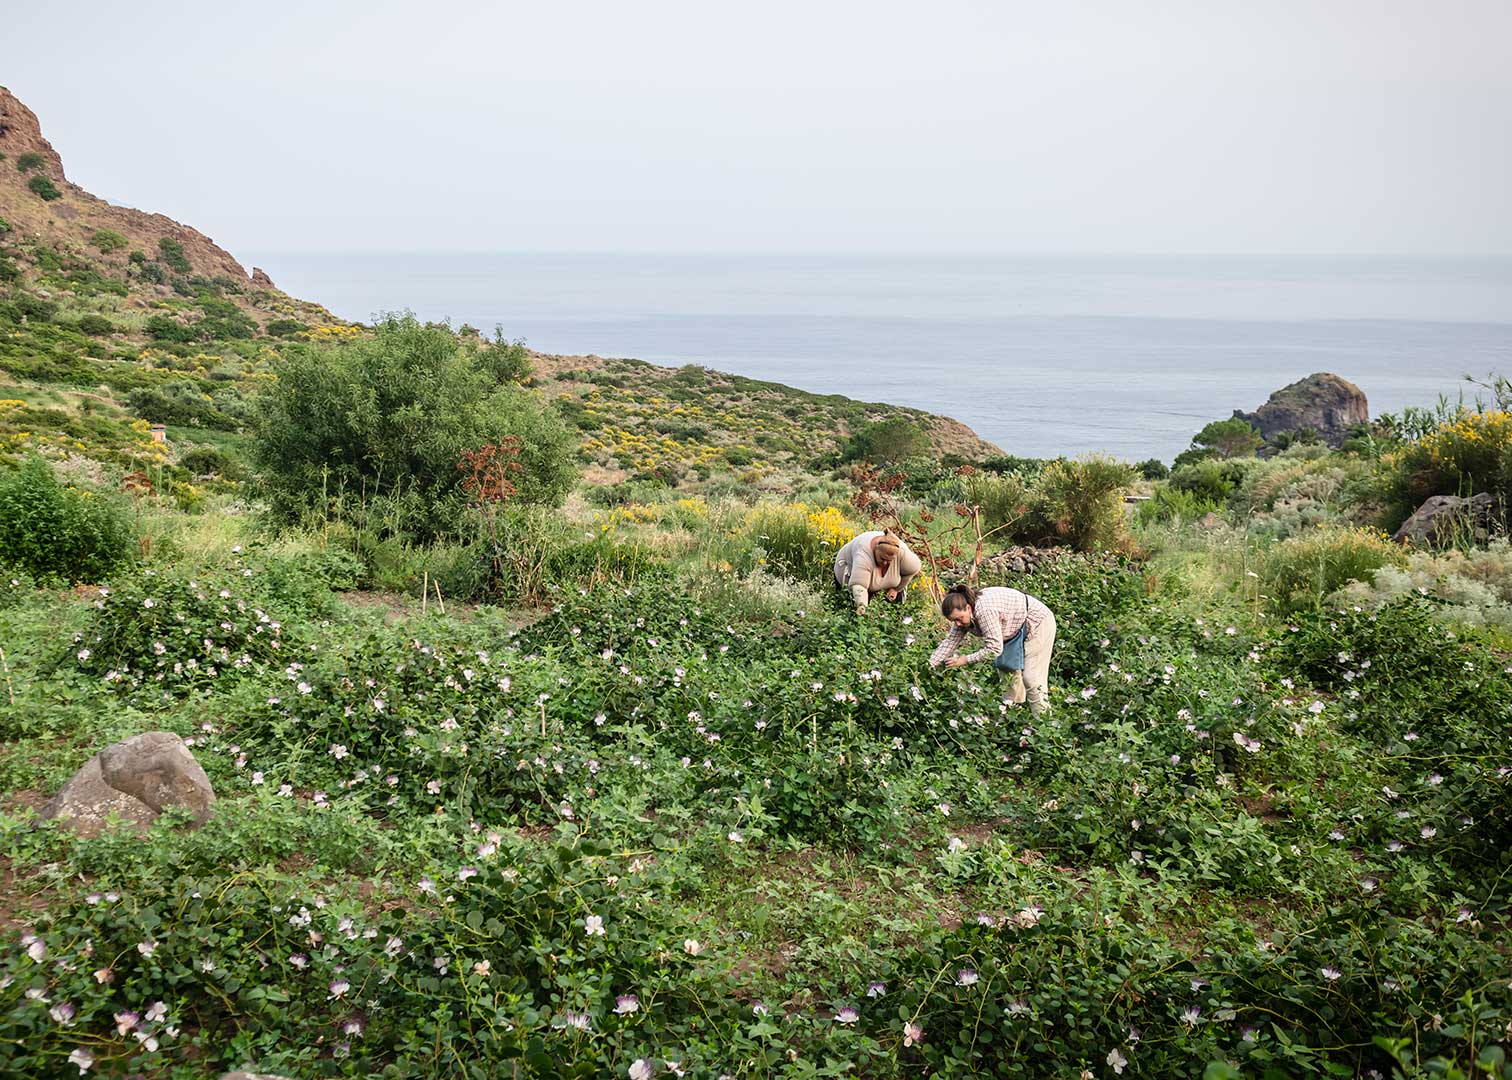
(1033, 683)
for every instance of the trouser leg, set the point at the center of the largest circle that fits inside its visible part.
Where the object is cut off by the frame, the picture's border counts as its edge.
(1036, 674)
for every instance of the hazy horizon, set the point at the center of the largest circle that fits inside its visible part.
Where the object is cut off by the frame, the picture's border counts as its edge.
(1359, 127)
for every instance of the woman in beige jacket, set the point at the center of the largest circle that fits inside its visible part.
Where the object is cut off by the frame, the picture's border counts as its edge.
(875, 562)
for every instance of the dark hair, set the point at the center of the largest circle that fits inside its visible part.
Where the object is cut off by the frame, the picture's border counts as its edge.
(962, 596)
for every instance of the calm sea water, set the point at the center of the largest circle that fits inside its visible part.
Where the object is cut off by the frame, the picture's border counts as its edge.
(1041, 355)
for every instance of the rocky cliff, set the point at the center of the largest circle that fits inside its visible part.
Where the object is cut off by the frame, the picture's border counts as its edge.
(72, 217)
(1322, 402)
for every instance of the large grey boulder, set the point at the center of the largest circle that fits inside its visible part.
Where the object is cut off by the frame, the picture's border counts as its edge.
(136, 780)
(1322, 402)
(1441, 516)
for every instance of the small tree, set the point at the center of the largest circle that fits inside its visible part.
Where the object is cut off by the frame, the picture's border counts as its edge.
(887, 442)
(29, 161)
(1228, 438)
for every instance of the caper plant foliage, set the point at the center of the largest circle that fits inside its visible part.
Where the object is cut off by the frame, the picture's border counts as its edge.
(606, 844)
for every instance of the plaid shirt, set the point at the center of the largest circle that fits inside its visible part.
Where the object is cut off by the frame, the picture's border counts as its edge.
(998, 613)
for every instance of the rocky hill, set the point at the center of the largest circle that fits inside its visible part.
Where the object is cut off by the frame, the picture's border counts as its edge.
(113, 320)
(41, 206)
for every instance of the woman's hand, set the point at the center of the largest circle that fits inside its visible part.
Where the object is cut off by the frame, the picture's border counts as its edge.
(955, 662)
(892, 594)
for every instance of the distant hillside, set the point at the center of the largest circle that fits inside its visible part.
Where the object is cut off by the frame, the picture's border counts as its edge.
(640, 418)
(113, 319)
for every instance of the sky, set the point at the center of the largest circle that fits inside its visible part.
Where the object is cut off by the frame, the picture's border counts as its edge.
(1273, 126)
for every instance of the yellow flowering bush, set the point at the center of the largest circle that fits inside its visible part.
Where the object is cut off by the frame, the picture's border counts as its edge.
(1469, 454)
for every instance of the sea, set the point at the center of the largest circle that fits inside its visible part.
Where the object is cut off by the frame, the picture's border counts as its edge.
(1042, 355)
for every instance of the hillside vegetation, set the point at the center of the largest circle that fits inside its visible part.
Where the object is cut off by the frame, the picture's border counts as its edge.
(542, 744)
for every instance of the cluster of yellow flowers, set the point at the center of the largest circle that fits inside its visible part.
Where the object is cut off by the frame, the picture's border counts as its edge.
(649, 451)
(830, 524)
(331, 333)
(1472, 434)
(629, 514)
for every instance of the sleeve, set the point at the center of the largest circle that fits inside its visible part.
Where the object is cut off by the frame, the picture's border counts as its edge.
(909, 566)
(947, 648)
(857, 568)
(992, 643)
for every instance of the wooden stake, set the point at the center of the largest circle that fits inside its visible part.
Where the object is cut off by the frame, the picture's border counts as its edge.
(425, 594)
(439, 602)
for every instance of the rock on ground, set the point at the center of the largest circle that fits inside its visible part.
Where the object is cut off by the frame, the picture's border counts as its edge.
(1436, 521)
(136, 780)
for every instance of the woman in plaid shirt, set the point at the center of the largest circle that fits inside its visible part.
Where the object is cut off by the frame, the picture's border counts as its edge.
(998, 614)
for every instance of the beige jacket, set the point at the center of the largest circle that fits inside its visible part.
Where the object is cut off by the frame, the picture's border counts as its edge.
(855, 570)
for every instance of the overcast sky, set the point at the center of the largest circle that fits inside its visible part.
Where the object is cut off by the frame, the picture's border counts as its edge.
(999, 125)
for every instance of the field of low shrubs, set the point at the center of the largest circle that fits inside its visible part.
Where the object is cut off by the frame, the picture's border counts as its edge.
(662, 826)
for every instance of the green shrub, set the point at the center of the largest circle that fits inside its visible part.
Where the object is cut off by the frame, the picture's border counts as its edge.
(137, 258)
(1298, 573)
(29, 161)
(1152, 469)
(167, 328)
(284, 327)
(58, 532)
(1081, 501)
(179, 402)
(95, 325)
(797, 540)
(10, 273)
(210, 461)
(43, 188)
(1167, 503)
(108, 240)
(389, 417)
(1209, 480)
(1003, 499)
(5, 226)
(171, 635)
(172, 253)
(887, 442)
